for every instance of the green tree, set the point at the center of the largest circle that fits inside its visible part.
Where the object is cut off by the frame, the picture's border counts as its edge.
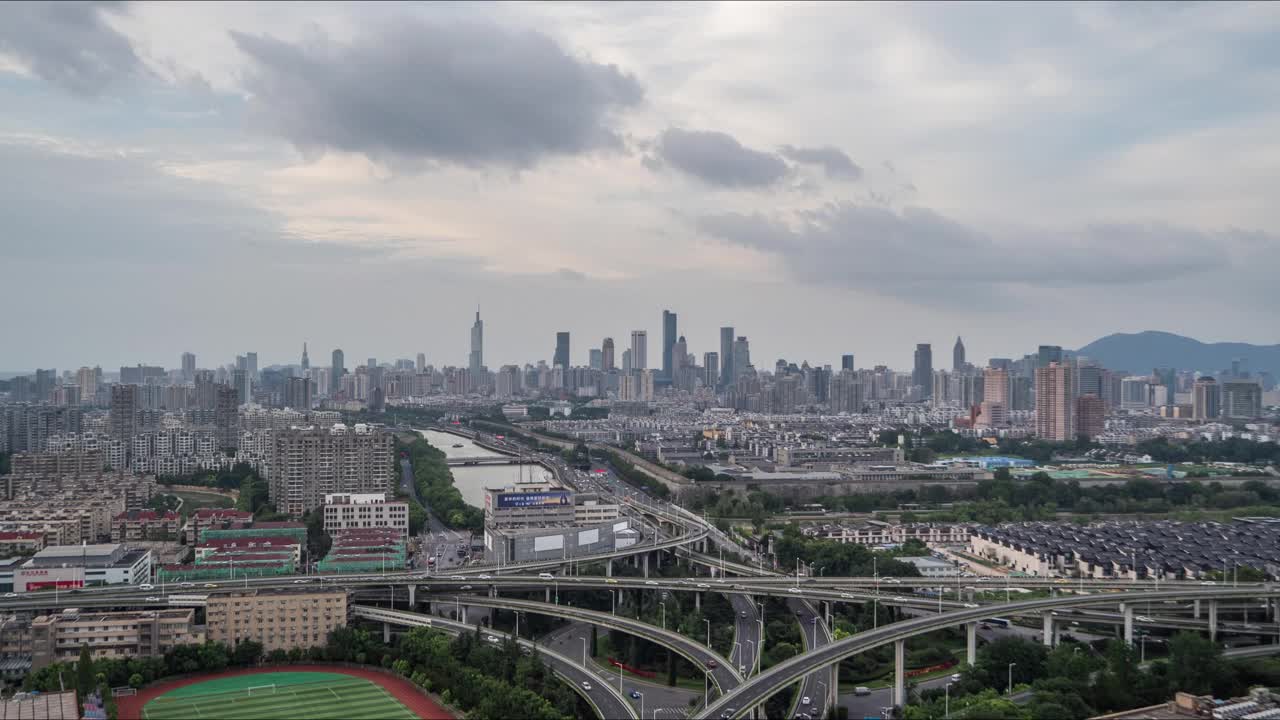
(84, 671)
(136, 680)
(1196, 664)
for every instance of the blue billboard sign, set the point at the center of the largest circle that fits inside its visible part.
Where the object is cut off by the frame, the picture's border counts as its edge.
(555, 498)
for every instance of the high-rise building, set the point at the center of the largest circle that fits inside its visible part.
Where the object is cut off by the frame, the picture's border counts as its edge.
(1048, 354)
(475, 362)
(188, 366)
(297, 393)
(1241, 399)
(335, 373)
(307, 464)
(668, 343)
(226, 416)
(606, 355)
(995, 397)
(124, 412)
(726, 357)
(87, 379)
(306, 361)
(741, 356)
(1206, 399)
(711, 368)
(639, 350)
(1135, 392)
(627, 362)
(251, 364)
(1091, 415)
(562, 350)
(922, 375)
(421, 364)
(595, 359)
(846, 362)
(45, 380)
(1055, 411)
(679, 359)
(957, 355)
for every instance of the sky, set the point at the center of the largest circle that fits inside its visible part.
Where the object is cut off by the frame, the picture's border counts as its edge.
(826, 178)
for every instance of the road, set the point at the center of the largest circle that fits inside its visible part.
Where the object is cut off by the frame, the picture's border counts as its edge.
(668, 701)
(873, 705)
(746, 634)
(437, 540)
(816, 686)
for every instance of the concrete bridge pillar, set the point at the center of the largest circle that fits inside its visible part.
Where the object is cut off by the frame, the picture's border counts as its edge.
(646, 565)
(386, 633)
(608, 568)
(493, 591)
(697, 601)
(463, 619)
(1128, 623)
(899, 673)
(1047, 635)
(547, 594)
(971, 643)
(1195, 609)
(1213, 619)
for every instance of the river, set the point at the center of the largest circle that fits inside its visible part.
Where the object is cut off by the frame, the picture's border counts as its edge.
(472, 481)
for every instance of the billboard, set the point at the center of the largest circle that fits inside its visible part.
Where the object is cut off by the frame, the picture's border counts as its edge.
(548, 542)
(60, 578)
(588, 537)
(554, 498)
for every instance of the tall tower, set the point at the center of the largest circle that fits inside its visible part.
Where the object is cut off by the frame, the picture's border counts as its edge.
(188, 367)
(306, 362)
(922, 375)
(476, 360)
(957, 355)
(562, 350)
(606, 355)
(726, 356)
(741, 356)
(1206, 399)
(846, 362)
(668, 342)
(639, 350)
(336, 373)
(1055, 409)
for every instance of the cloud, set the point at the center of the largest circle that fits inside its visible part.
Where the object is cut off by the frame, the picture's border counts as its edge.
(570, 275)
(835, 163)
(920, 255)
(466, 93)
(68, 44)
(717, 158)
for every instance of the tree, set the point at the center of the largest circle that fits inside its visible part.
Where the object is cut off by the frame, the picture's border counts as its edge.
(84, 671)
(1195, 664)
(246, 653)
(135, 681)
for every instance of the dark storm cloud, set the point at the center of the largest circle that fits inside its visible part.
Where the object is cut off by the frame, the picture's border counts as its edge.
(467, 93)
(718, 159)
(834, 162)
(68, 44)
(921, 255)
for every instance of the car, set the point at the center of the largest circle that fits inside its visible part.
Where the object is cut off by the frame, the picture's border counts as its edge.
(146, 586)
(491, 639)
(546, 576)
(985, 626)
(1208, 582)
(742, 613)
(187, 584)
(846, 596)
(955, 677)
(650, 582)
(893, 581)
(299, 581)
(862, 691)
(971, 605)
(586, 685)
(635, 694)
(1142, 618)
(611, 581)
(713, 664)
(11, 594)
(486, 577)
(795, 590)
(806, 700)
(704, 586)
(465, 587)
(728, 713)
(153, 598)
(739, 587)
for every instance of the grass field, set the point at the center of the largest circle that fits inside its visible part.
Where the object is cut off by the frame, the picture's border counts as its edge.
(295, 695)
(192, 501)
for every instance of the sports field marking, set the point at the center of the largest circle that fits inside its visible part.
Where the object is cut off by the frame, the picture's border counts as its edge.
(359, 698)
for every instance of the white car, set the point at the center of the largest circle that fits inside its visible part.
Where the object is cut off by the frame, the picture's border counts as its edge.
(546, 576)
(1142, 618)
(12, 594)
(486, 577)
(795, 590)
(805, 700)
(650, 582)
(971, 605)
(586, 685)
(895, 581)
(146, 586)
(300, 581)
(704, 585)
(155, 599)
(846, 596)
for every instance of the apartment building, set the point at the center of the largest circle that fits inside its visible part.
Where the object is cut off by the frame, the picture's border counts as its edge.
(20, 543)
(130, 634)
(133, 525)
(308, 464)
(351, 511)
(277, 619)
(878, 533)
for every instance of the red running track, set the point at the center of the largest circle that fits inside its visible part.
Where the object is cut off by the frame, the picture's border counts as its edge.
(130, 706)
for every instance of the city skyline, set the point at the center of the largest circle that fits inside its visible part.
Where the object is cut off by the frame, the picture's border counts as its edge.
(945, 177)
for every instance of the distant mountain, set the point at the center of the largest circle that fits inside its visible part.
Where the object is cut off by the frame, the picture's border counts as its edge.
(1141, 352)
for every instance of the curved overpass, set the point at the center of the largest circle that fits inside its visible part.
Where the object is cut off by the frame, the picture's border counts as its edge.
(757, 689)
(608, 702)
(724, 675)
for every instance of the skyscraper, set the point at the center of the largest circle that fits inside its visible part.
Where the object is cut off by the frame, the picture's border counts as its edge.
(957, 355)
(476, 360)
(741, 356)
(726, 356)
(422, 363)
(1091, 413)
(562, 350)
(124, 412)
(336, 373)
(626, 361)
(639, 350)
(711, 366)
(226, 418)
(846, 362)
(606, 355)
(251, 364)
(679, 357)
(922, 375)
(595, 359)
(306, 361)
(297, 393)
(668, 342)
(1206, 399)
(188, 366)
(1241, 399)
(995, 397)
(1048, 354)
(1055, 411)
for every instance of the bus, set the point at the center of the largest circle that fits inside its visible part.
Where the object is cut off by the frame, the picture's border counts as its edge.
(997, 622)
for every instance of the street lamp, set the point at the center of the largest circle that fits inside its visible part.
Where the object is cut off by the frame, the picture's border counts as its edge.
(664, 614)
(946, 701)
(1010, 691)
(708, 622)
(655, 712)
(584, 651)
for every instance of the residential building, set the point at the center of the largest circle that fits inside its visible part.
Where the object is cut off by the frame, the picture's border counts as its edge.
(188, 366)
(124, 411)
(1055, 411)
(727, 374)
(606, 355)
(1206, 399)
(1091, 416)
(995, 397)
(145, 525)
(1241, 399)
(279, 620)
(129, 634)
(20, 543)
(922, 375)
(639, 350)
(308, 463)
(350, 511)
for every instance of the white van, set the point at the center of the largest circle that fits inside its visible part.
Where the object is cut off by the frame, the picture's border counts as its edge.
(546, 576)
(861, 690)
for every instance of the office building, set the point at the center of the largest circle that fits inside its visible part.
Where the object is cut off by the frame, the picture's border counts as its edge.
(306, 464)
(188, 365)
(561, 357)
(957, 355)
(336, 371)
(668, 344)
(727, 375)
(306, 361)
(280, 620)
(1241, 399)
(1206, 399)
(639, 350)
(595, 359)
(87, 379)
(995, 397)
(1048, 354)
(606, 355)
(1135, 392)
(1055, 411)
(922, 375)
(297, 393)
(124, 411)
(626, 361)
(421, 365)
(846, 362)
(475, 361)
(711, 368)
(1091, 415)
(741, 357)
(362, 511)
(127, 635)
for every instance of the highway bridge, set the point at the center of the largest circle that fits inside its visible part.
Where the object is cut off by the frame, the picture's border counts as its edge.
(492, 460)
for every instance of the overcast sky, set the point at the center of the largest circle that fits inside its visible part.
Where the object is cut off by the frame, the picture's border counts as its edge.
(826, 178)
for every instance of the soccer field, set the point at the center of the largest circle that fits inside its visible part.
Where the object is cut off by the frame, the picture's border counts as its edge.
(288, 696)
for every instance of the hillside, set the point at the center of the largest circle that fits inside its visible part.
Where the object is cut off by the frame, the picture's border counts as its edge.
(1141, 352)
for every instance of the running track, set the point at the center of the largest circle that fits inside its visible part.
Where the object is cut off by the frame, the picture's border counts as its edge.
(131, 706)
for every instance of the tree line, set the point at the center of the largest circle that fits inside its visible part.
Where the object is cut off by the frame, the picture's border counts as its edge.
(435, 486)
